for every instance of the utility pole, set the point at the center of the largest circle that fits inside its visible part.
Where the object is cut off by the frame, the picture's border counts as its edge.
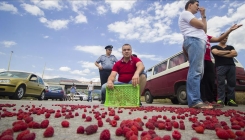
(43, 70)
(10, 59)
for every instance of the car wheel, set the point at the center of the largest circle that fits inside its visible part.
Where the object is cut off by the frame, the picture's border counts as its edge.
(174, 100)
(182, 95)
(148, 97)
(42, 96)
(19, 93)
(61, 99)
(81, 98)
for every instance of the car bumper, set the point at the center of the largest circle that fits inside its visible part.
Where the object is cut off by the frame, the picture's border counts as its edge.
(240, 88)
(7, 90)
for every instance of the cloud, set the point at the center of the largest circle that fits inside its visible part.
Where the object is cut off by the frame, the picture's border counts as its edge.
(1, 53)
(64, 69)
(46, 36)
(54, 24)
(8, 44)
(49, 69)
(50, 76)
(116, 6)
(33, 66)
(222, 7)
(112, 40)
(147, 27)
(48, 4)
(89, 65)
(97, 50)
(4, 6)
(102, 34)
(79, 72)
(80, 19)
(33, 9)
(101, 10)
(76, 5)
(2, 70)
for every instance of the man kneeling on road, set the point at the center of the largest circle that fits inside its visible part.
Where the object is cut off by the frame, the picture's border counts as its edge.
(129, 68)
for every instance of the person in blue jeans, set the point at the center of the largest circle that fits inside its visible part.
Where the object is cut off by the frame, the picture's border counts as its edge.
(73, 91)
(90, 88)
(193, 31)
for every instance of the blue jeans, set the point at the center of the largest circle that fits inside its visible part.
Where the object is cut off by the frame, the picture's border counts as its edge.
(195, 48)
(90, 95)
(103, 88)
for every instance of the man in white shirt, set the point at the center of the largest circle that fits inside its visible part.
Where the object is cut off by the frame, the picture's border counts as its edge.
(90, 88)
(194, 44)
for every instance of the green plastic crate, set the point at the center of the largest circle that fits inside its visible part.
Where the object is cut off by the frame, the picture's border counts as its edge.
(122, 96)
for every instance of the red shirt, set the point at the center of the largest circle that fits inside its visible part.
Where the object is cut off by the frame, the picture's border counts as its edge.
(208, 49)
(126, 70)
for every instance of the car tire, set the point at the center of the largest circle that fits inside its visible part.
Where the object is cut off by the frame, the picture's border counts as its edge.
(61, 99)
(148, 97)
(81, 98)
(182, 95)
(42, 96)
(19, 93)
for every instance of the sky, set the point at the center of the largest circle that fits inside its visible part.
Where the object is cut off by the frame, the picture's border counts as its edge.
(55, 38)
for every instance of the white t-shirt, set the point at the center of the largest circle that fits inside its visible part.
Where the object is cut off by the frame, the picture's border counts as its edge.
(90, 87)
(188, 30)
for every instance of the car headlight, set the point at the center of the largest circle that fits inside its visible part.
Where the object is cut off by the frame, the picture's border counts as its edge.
(5, 81)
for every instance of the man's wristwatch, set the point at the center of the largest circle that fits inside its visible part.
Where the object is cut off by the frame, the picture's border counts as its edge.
(203, 16)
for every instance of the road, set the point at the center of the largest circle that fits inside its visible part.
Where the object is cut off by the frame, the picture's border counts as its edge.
(149, 110)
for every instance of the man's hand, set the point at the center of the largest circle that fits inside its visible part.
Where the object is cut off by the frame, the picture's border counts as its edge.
(202, 11)
(100, 67)
(235, 26)
(135, 79)
(110, 84)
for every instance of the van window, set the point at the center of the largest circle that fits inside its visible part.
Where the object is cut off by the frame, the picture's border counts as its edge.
(149, 73)
(160, 68)
(177, 60)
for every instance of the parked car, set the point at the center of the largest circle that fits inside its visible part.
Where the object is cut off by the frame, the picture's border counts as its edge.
(16, 85)
(78, 96)
(55, 92)
(167, 79)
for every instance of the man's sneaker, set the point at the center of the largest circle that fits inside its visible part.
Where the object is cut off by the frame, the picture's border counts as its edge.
(232, 103)
(220, 104)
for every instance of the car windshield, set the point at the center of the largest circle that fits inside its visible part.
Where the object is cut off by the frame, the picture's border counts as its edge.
(14, 74)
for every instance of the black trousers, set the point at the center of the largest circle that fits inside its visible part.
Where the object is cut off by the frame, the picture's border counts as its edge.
(227, 73)
(104, 74)
(207, 82)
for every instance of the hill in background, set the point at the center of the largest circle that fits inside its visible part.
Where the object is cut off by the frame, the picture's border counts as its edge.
(57, 80)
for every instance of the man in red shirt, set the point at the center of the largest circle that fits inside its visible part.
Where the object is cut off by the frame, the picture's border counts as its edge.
(129, 69)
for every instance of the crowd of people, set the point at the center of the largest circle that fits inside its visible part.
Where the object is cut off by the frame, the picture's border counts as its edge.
(201, 74)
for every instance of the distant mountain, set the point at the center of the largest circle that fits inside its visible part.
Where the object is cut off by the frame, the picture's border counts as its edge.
(57, 80)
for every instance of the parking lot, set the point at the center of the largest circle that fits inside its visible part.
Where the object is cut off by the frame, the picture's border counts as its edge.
(148, 110)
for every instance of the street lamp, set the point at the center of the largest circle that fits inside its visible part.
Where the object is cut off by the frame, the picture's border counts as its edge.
(10, 59)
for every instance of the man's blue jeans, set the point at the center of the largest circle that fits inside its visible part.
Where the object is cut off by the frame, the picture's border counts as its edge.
(195, 48)
(103, 88)
(90, 95)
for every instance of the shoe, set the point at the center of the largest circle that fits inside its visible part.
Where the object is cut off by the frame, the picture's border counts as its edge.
(140, 104)
(232, 103)
(220, 104)
(102, 102)
(202, 106)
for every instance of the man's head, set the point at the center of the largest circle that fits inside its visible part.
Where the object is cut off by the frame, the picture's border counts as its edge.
(126, 50)
(108, 49)
(192, 6)
(224, 40)
(91, 82)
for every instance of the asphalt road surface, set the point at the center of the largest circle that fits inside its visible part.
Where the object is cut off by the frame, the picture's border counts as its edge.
(149, 110)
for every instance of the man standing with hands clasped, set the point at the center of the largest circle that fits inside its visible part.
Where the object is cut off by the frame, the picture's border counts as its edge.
(195, 38)
(107, 61)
